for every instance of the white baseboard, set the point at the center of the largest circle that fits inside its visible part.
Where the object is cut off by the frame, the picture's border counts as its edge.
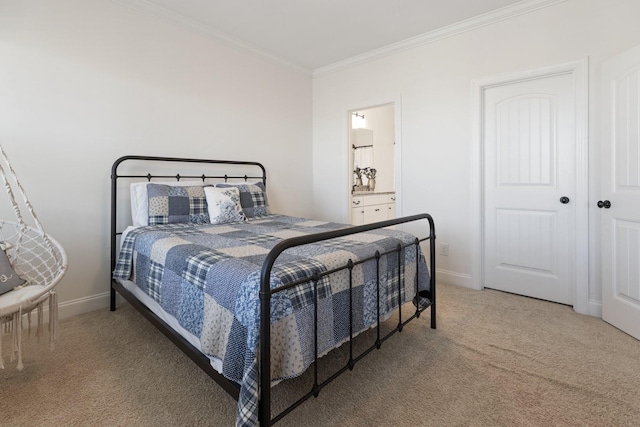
(78, 306)
(83, 305)
(594, 308)
(101, 301)
(454, 278)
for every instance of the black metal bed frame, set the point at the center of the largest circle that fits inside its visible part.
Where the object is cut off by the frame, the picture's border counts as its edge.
(266, 292)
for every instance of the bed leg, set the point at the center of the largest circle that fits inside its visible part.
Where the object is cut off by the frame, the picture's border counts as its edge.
(433, 289)
(113, 299)
(432, 267)
(433, 305)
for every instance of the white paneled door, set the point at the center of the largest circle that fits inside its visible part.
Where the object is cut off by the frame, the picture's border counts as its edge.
(620, 202)
(529, 168)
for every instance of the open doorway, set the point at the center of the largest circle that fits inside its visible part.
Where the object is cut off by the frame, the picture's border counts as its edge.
(372, 159)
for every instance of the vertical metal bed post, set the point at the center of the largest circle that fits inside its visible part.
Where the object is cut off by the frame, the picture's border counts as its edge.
(114, 189)
(432, 267)
(264, 409)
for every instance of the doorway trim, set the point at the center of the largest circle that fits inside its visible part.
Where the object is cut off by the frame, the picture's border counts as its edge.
(579, 71)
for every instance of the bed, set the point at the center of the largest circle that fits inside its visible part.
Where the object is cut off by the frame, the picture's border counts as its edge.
(253, 297)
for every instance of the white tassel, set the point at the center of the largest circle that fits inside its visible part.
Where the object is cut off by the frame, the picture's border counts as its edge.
(18, 326)
(53, 318)
(2, 323)
(14, 342)
(40, 319)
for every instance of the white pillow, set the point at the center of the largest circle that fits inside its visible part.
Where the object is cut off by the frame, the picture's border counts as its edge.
(223, 205)
(140, 199)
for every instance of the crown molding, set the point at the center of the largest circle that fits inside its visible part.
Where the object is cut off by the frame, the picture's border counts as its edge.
(168, 16)
(147, 8)
(502, 14)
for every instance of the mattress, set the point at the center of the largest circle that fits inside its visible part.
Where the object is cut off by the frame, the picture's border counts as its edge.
(168, 319)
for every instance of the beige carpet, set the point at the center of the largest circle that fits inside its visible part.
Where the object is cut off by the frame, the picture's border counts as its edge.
(495, 360)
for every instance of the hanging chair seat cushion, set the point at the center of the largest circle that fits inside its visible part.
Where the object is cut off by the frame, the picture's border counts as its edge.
(26, 297)
(9, 279)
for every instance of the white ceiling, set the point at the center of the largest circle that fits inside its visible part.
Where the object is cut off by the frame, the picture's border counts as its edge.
(312, 34)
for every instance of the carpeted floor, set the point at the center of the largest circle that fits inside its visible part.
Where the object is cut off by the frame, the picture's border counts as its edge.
(496, 359)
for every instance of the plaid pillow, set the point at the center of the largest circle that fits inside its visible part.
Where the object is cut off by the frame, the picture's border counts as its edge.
(253, 198)
(169, 204)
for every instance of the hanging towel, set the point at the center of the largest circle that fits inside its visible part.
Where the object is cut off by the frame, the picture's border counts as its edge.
(363, 157)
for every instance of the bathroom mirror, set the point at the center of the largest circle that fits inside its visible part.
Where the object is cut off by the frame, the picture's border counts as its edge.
(372, 140)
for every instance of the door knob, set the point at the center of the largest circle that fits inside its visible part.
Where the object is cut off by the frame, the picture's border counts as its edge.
(606, 204)
(564, 200)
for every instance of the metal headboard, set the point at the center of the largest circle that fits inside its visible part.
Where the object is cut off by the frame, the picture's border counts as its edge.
(149, 176)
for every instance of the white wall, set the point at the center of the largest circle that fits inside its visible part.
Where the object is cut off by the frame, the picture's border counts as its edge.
(433, 82)
(83, 82)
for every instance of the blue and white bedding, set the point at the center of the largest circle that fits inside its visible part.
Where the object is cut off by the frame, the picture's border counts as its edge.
(208, 277)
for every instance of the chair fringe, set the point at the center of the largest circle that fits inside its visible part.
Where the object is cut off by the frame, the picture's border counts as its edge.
(13, 325)
(53, 319)
(40, 316)
(2, 326)
(17, 339)
(13, 337)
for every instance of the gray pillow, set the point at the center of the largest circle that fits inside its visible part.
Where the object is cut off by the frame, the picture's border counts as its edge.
(9, 279)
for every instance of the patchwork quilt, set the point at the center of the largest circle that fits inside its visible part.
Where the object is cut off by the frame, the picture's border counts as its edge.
(208, 277)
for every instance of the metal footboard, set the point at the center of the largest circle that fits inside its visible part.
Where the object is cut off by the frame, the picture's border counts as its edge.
(266, 294)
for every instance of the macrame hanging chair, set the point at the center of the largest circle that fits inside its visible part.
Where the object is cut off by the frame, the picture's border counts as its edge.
(35, 257)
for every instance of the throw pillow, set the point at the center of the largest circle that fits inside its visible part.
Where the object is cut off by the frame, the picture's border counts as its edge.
(253, 198)
(9, 279)
(224, 205)
(169, 204)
